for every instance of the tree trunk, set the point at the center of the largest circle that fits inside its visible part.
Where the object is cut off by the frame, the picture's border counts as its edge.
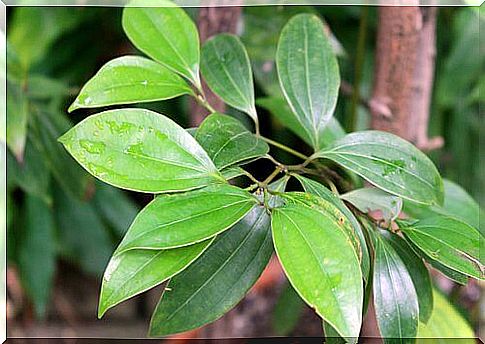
(211, 21)
(404, 73)
(403, 84)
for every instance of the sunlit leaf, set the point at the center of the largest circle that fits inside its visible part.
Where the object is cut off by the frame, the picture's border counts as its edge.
(315, 188)
(321, 265)
(133, 272)
(308, 74)
(140, 150)
(166, 34)
(128, 80)
(171, 221)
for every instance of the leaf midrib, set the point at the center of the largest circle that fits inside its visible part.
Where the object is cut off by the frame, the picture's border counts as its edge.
(246, 238)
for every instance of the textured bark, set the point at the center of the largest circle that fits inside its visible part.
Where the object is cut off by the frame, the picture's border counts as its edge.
(404, 73)
(423, 83)
(211, 21)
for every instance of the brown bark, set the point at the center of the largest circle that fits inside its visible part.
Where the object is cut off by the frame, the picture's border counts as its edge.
(423, 83)
(404, 73)
(211, 21)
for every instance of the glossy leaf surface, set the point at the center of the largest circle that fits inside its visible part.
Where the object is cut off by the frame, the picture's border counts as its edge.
(371, 199)
(390, 163)
(418, 273)
(308, 74)
(315, 188)
(133, 272)
(228, 142)
(166, 34)
(321, 265)
(218, 280)
(395, 299)
(328, 210)
(221, 277)
(140, 150)
(451, 242)
(226, 68)
(171, 221)
(128, 80)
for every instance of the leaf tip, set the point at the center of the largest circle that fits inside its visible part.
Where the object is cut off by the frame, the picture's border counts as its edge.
(74, 106)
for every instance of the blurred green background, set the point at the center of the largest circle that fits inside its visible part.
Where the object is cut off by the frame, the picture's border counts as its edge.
(63, 225)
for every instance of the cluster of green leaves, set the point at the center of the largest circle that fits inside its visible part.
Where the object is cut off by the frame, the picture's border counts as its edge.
(51, 214)
(211, 240)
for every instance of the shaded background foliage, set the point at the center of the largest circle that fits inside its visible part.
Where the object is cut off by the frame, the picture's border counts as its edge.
(63, 225)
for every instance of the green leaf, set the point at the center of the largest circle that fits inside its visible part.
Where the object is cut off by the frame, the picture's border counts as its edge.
(82, 235)
(134, 272)
(321, 265)
(33, 31)
(458, 203)
(115, 207)
(32, 175)
(287, 311)
(166, 34)
(357, 234)
(228, 142)
(453, 275)
(328, 210)
(171, 221)
(129, 80)
(69, 175)
(40, 87)
(232, 172)
(308, 74)
(37, 253)
(226, 68)
(418, 273)
(445, 323)
(395, 299)
(218, 280)
(332, 336)
(390, 163)
(140, 150)
(17, 119)
(451, 242)
(280, 109)
(371, 199)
